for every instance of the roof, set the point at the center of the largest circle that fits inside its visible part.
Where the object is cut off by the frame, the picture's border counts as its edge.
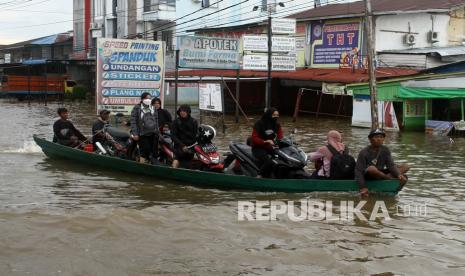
(379, 7)
(46, 40)
(448, 68)
(442, 51)
(311, 74)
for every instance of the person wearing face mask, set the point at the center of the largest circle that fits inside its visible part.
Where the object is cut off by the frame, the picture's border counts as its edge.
(144, 128)
(265, 132)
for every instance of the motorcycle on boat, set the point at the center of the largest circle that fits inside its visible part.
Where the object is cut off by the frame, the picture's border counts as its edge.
(289, 160)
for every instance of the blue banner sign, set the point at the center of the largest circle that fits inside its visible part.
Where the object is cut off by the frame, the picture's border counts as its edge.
(208, 52)
(131, 76)
(121, 92)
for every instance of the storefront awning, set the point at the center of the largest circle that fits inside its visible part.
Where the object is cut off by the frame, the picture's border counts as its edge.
(430, 93)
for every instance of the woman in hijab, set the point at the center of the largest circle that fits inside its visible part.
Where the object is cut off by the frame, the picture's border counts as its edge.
(322, 157)
(264, 134)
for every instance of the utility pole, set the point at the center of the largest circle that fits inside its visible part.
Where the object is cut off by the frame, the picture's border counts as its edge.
(371, 64)
(268, 81)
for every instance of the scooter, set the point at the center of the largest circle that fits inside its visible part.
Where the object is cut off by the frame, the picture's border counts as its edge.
(289, 160)
(206, 156)
(119, 143)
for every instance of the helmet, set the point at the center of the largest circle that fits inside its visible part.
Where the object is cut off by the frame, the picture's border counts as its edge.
(206, 134)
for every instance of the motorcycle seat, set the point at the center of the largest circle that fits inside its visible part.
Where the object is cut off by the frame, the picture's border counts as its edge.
(118, 133)
(247, 151)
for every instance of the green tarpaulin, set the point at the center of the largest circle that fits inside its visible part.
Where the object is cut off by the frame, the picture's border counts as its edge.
(430, 93)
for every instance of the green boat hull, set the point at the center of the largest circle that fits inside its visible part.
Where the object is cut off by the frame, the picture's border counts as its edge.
(216, 180)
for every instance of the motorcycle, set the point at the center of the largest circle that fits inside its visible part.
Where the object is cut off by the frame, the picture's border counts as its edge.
(289, 160)
(206, 156)
(118, 143)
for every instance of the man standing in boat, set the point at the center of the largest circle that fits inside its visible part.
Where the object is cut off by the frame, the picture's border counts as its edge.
(376, 163)
(183, 132)
(144, 127)
(65, 132)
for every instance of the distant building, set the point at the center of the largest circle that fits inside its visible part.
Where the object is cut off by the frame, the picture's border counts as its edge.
(132, 19)
(408, 33)
(52, 47)
(82, 12)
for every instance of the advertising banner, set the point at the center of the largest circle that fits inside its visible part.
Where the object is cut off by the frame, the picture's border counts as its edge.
(283, 26)
(260, 43)
(257, 43)
(260, 63)
(210, 97)
(7, 58)
(208, 52)
(331, 39)
(125, 70)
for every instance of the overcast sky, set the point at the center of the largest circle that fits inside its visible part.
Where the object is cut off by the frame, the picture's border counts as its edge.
(18, 16)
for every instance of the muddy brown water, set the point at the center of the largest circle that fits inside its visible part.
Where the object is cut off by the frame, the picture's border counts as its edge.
(62, 218)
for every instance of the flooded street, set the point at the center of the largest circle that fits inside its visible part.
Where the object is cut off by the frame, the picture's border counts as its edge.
(62, 218)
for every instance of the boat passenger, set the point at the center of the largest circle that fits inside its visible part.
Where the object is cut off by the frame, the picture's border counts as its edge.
(98, 130)
(164, 115)
(144, 128)
(65, 133)
(323, 156)
(183, 132)
(375, 162)
(265, 132)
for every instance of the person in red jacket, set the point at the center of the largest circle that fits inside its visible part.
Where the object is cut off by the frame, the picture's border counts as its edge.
(265, 132)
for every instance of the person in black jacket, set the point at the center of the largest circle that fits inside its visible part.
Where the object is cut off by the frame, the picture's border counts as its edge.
(164, 115)
(183, 132)
(264, 133)
(144, 128)
(64, 131)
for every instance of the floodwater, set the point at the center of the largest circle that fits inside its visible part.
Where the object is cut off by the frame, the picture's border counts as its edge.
(62, 218)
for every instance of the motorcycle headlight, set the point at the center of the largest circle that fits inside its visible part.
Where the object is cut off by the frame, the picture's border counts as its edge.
(204, 159)
(215, 160)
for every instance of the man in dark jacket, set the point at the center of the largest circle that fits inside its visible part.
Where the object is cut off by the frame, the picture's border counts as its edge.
(183, 132)
(144, 128)
(375, 162)
(64, 131)
(98, 130)
(164, 116)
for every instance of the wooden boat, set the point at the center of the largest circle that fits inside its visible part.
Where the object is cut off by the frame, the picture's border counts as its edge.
(216, 180)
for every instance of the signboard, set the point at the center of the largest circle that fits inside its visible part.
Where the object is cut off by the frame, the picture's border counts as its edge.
(7, 58)
(208, 52)
(125, 70)
(255, 43)
(300, 43)
(260, 63)
(283, 26)
(260, 43)
(330, 40)
(283, 44)
(255, 62)
(210, 97)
